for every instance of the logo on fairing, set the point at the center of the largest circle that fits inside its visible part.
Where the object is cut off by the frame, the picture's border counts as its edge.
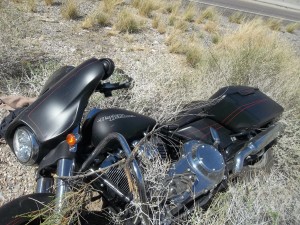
(114, 117)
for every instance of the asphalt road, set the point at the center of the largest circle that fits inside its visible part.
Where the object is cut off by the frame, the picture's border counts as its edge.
(256, 8)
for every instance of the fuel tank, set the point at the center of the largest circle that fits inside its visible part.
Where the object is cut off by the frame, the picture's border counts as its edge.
(130, 124)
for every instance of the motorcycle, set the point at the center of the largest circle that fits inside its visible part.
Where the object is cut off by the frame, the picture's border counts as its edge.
(205, 146)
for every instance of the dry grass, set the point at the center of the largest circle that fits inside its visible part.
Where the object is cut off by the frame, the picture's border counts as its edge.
(175, 43)
(292, 27)
(171, 6)
(159, 24)
(251, 55)
(49, 2)
(69, 10)
(188, 46)
(215, 38)
(189, 13)
(181, 25)
(211, 27)
(31, 5)
(156, 21)
(274, 24)
(97, 18)
(172, 20)
(236, 17)
(146, 7)
(210, 13)
(110, 5)
(258, 57)
(162, 27)
(128, 22)
(194, 54)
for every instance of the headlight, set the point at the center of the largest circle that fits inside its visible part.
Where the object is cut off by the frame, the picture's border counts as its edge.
(25, 146)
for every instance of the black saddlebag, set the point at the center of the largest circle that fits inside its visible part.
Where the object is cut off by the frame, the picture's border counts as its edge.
(241, 108)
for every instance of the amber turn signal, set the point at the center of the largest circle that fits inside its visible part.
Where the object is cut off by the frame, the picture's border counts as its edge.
(71, 139)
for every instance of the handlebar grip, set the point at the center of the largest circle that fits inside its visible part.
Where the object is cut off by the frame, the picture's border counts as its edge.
(109, 67)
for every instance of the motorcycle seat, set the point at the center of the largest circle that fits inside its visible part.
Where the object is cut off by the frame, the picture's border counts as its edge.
(191, 112)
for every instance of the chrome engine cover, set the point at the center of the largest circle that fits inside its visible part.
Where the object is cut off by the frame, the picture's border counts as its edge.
(200, 169)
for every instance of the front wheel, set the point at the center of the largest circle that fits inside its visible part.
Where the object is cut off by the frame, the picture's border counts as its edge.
(32, 210)
(17, 212)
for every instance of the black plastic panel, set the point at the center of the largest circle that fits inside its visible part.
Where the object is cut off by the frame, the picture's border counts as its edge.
(241, 108)
(200, 130)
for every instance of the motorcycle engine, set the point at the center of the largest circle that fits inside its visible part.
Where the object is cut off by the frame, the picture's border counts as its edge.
(199, 170)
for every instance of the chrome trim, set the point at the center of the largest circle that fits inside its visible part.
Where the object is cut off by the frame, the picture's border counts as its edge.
(257, 144)
(200, 170)
(34, 145)
(65, 167)
(215, 136)
(44, 185)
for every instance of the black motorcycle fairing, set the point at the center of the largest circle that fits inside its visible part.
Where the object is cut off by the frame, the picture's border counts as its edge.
(55, 77)
(130, 124)
(61, 151)
(59, 110)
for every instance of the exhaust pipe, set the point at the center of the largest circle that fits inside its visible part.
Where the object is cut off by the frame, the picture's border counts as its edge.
(256, 144)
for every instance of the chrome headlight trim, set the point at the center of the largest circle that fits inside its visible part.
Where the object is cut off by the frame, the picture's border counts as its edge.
(26, 147)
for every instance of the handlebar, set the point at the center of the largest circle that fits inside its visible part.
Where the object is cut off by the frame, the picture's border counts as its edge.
(107, 88)
(109, 67)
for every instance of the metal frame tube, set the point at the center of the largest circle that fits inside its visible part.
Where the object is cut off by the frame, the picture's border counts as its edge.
(65, 167)
(100, 149)
(44, 185)
(257, 143)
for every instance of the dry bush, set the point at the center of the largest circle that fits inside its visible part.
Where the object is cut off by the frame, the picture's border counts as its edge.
(215, 38)
(171, 6)
(97, 18)
(257, 57)
(210, 13)
(191, 49)
(177, 46)
(189, 13)
(194, 54)
(159, 24)
(31, 5)
(162, 27)
(146, 7)
(236, 17)
(292, 27)
(211, 27)
(175, 43)
(49, 2)
(110, 5)
(128, 22)
(274, 24)
(69, 10)
(172, 20)
(156, 21)
(181, 25)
